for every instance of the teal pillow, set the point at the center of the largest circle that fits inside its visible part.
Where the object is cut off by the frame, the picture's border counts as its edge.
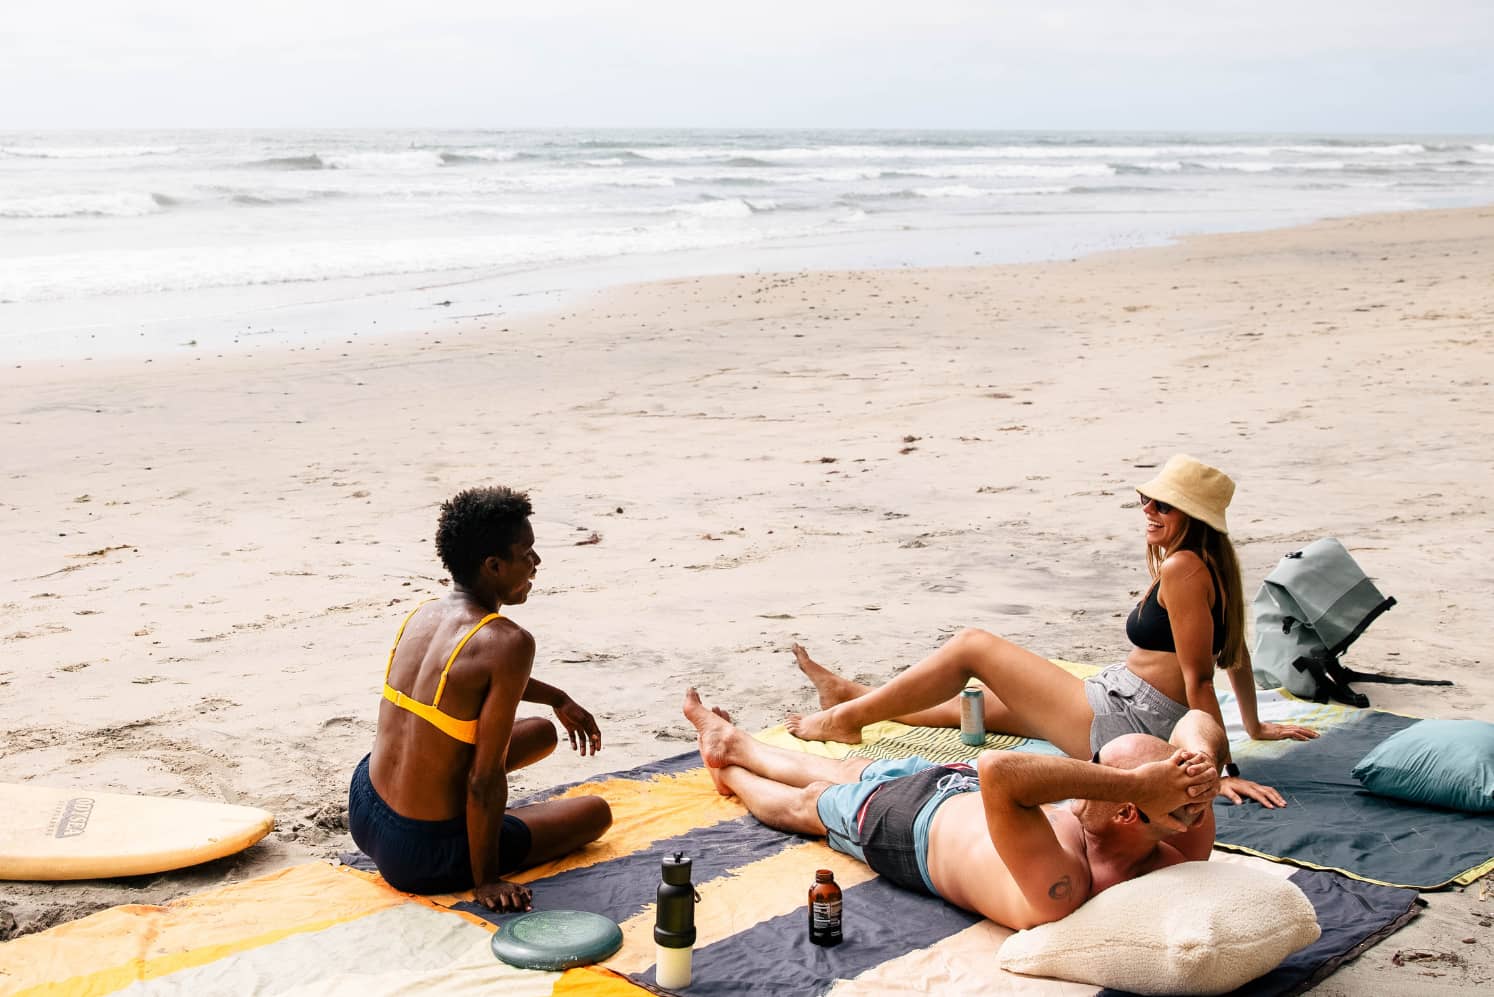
(1447, 763)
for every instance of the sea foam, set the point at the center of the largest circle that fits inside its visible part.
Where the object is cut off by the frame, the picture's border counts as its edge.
(87, 215)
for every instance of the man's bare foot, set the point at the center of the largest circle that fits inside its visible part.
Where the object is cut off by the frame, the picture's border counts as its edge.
(716, 735)
(833, 689)
(822, 726)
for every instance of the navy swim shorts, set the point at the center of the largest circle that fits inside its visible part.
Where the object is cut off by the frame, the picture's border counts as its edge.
(422, 856)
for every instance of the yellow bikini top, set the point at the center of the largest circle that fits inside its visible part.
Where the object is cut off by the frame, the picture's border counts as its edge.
(463, 730)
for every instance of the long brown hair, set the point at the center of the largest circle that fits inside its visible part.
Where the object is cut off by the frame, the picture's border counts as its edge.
(1218, 555)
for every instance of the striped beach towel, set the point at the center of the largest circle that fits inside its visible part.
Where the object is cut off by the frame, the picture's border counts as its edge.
(319, 929)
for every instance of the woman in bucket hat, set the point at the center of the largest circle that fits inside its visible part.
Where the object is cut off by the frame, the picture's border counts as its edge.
(1191, 619)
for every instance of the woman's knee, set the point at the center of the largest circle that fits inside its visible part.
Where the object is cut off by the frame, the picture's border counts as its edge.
(531, 739)
(538, 728)
(594, 814)
(975, 641)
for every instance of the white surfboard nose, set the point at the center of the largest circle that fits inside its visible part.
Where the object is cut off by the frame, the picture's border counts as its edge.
(57, 834)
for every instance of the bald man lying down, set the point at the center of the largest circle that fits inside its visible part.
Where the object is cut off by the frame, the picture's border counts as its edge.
(987, 837)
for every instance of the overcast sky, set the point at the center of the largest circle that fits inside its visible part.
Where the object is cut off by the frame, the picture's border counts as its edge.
(1258, 65)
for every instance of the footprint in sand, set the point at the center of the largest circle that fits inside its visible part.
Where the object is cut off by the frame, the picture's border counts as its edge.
(41, 631)
(946, 588)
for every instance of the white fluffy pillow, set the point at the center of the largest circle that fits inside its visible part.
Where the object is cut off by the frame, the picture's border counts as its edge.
(1194, 928)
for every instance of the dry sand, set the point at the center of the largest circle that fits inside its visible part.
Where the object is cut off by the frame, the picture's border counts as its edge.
(206, 558)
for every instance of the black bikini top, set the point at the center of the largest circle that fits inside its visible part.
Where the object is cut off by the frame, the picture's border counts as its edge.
(1149, 628)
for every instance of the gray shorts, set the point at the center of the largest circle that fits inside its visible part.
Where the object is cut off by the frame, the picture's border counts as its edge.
(1124, 703)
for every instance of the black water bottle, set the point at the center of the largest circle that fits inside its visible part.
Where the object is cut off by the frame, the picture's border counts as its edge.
(674, 924)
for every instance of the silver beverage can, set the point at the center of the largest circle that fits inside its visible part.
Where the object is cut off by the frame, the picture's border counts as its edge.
(973, 717)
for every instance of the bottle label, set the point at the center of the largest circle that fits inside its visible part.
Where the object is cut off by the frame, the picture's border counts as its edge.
(824, 917)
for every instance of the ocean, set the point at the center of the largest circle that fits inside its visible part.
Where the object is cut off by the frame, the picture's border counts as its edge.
(154, 243)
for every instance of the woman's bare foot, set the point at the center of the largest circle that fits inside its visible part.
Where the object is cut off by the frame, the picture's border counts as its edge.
(833, 689)
(716, 736)
(822, 726)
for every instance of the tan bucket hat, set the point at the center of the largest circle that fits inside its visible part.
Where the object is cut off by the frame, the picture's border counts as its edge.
(1201, 491)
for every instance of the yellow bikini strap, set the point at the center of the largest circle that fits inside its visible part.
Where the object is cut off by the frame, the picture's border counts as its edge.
(390, 667)
(461, 644)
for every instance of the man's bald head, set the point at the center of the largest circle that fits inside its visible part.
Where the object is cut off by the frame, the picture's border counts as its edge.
(1131, 751)
(1128, 751)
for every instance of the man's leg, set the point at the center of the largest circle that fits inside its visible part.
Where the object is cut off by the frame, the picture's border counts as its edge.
(780, 788)
(1035, 698)
(776, 804)
(723, 746)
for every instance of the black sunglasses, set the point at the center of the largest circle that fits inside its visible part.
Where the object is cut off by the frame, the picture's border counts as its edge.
(1162, 507)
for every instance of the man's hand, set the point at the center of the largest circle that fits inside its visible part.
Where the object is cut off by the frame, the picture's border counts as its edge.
(1283, 732)
(580, 726)
(1168, 785)
(1238, 790)
(504, 896)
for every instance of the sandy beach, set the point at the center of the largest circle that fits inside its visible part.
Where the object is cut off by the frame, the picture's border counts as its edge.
(206, 558)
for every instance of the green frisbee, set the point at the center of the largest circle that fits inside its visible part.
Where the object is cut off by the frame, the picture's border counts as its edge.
(556, 939)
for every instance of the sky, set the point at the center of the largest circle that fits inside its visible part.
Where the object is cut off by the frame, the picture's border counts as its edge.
(1347, 66)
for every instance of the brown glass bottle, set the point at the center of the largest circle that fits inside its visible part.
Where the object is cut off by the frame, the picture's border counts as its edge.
(824, 910)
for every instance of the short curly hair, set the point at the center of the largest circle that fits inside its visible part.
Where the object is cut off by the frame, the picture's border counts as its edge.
(478, 523)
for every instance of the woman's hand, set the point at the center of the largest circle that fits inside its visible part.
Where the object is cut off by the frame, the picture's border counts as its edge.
(579, 725)
(504, 896)
(1237, 790)
(1269, 731)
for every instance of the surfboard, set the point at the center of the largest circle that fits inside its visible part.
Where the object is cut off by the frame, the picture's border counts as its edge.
(53, 834)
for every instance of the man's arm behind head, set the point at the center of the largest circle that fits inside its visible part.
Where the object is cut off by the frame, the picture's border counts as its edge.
(1052, 870)
(1053, 877)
